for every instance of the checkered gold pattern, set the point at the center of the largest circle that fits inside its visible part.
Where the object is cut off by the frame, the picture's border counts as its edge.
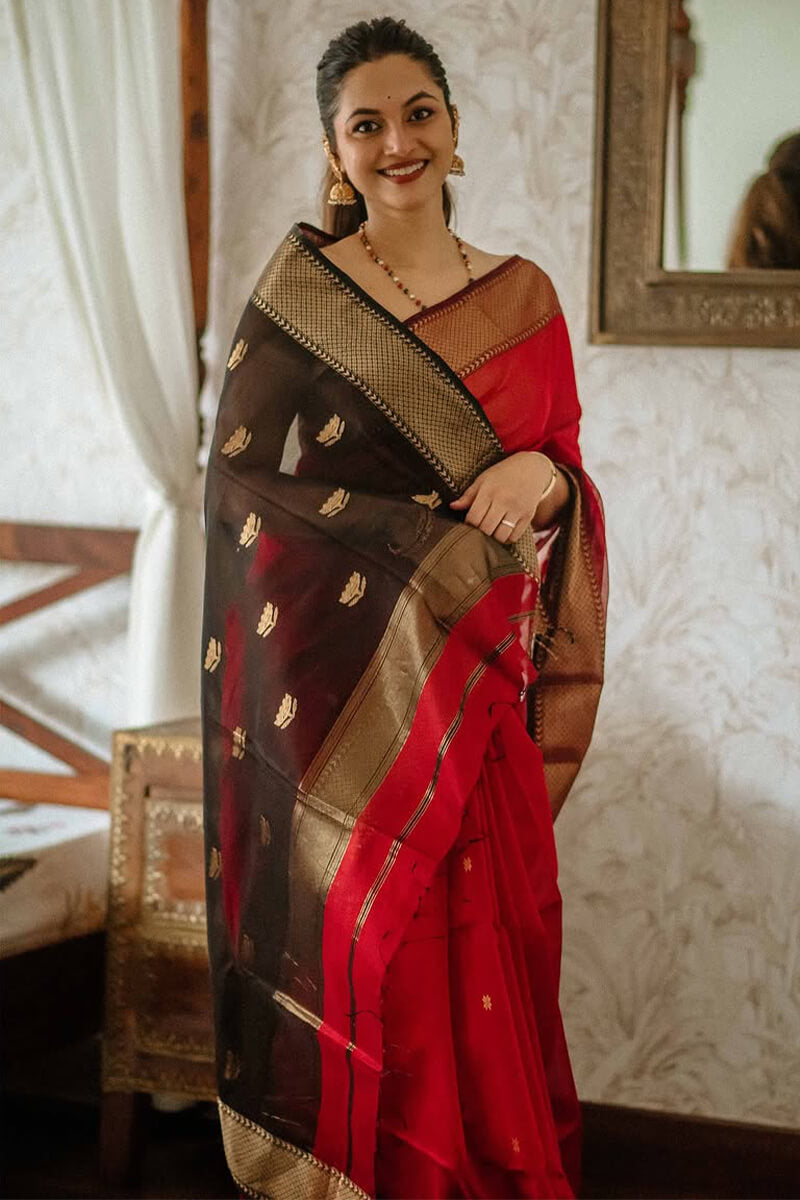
(266, 1166)
(509, 305)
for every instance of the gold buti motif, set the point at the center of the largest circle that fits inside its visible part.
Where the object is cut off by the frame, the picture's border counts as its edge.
(430, 500)
(250, 530)
(268, 619)
(239, 440)
(247, 949)
(331, 431)
(354, 590)
(213, 655)
(466, 863)
(337, 501)
(515, 1145)
(232, 1065)
(237, 354)
(487, 1002)
(264, 830)
(239, 742)
(287, 711)
(214, 863)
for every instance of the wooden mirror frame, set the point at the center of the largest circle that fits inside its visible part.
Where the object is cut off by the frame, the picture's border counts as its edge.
(634, 300)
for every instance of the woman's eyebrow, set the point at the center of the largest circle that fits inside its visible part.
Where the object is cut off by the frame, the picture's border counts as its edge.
(375, 112)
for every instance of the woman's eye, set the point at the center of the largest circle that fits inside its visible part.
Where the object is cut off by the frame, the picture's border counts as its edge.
(361, 127)
(421, 114)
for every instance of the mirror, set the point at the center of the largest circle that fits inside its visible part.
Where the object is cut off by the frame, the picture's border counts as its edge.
(696, 241)
(732, 155)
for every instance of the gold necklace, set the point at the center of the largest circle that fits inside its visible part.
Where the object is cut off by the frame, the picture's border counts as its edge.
(362, 233)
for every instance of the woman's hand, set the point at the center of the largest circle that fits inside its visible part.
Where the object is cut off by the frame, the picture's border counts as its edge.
(502, 501)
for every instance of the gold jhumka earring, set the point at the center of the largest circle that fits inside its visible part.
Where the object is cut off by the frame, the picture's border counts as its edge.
(341, 192)
(457, 165)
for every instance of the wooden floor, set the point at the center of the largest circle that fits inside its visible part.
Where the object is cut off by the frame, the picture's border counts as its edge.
(50, 1127)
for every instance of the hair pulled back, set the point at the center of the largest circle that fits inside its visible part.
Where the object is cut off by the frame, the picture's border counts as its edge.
(368, 41)
(767, 230)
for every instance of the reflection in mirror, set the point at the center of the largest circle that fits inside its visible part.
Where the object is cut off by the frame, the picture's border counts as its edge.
(732, 168)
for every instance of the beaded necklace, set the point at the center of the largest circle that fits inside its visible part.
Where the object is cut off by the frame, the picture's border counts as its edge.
(362, 233)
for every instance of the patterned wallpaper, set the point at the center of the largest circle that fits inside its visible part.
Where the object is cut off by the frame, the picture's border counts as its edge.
(678, 848)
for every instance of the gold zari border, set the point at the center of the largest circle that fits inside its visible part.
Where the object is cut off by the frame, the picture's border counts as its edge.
(567, 690)
(268, 1168)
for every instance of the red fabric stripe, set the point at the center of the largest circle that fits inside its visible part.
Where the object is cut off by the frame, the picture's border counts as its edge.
(412, 870)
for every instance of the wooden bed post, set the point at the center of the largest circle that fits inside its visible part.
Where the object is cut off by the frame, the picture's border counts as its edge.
(194, 87)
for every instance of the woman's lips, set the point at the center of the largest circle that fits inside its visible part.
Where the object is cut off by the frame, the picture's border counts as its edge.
(406, 177)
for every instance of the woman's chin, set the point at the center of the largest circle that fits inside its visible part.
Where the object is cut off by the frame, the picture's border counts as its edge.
(411, 198)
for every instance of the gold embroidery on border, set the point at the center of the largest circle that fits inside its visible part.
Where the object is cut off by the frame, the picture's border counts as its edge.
(264, 830)
(239, 440)
(354, 590)
(214, 863)
(268, 619)
(331, 431)
(239, 742)
(430, 500)
(287, 711)
(213, 655)
(237, 354)
(336, 502)
(264, 1165)
(250, 530)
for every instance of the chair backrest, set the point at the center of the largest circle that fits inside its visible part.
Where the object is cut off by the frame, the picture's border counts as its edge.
(97, 555)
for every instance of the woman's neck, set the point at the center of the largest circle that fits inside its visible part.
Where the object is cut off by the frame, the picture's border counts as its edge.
(414, 241)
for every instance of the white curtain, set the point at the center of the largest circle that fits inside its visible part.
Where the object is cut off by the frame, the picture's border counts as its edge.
(100, 81)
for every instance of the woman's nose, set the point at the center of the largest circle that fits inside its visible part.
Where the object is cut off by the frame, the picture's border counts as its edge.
(397, 139)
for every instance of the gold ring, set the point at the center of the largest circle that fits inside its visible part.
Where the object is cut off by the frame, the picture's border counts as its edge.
(511, 523)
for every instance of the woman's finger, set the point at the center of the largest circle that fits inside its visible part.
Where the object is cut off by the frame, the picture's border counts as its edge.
(466, 497)
(478, 510)
(519, 528)
(509, 529)
(491, 521)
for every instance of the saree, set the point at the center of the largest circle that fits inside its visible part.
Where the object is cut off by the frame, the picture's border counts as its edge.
(395, 706)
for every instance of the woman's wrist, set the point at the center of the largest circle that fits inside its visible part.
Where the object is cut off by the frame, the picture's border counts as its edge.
(553, 496)
(553, 479)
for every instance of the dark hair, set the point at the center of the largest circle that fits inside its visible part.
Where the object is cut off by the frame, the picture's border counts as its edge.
(767, 229)
(368, 41)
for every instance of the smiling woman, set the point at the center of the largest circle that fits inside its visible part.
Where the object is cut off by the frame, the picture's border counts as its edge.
(387, 736)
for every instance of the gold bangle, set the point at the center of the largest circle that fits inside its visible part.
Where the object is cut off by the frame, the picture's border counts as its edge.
(553, 477)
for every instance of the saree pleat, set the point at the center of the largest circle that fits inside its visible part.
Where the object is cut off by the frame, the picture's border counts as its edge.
(388, 733)
(477, 1090)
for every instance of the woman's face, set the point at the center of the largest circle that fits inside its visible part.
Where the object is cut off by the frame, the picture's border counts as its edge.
(394, 136)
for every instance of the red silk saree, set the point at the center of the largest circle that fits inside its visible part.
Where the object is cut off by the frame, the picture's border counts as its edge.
(394, 708)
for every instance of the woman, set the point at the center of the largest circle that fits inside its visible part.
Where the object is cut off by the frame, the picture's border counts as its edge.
(384, 917)
(766, 233)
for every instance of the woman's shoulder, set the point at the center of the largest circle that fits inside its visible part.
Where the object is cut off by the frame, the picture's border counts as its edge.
(532, 277)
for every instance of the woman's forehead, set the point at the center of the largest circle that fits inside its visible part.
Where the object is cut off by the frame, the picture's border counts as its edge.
(389, 81)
